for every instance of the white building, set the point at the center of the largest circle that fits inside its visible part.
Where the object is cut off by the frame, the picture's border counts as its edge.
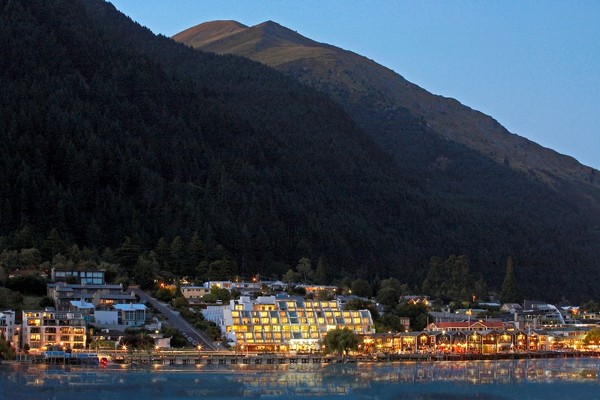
(288, 323)
(43, 329)
(8, 328)
(131, 314)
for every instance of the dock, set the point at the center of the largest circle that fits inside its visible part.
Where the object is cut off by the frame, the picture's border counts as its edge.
(191, 357)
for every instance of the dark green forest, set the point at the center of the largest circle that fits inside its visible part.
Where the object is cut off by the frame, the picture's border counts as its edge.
(118, 141)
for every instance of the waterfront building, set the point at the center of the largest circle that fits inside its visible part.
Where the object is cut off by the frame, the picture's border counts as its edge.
(477, 325)
(288, 323)
(537, 314)
(8, 326)
(48, 328)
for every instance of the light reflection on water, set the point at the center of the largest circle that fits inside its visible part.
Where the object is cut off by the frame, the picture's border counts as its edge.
(453, 380)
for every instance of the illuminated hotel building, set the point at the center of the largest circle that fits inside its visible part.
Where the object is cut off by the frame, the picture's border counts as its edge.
(43, 329)
(288, 324)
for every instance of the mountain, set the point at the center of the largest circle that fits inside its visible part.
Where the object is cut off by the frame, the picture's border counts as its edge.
(356, 81)
(457, 154)
(111, 135)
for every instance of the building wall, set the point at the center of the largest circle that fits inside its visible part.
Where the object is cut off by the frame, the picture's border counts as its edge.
(106, 317)
(289, 324)
(42, 329)
(194, 292)
(8, 328)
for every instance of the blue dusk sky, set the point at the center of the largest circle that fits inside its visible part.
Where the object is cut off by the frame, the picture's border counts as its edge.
(534, 66)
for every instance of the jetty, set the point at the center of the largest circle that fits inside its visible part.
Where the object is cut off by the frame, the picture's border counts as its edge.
(184, 357)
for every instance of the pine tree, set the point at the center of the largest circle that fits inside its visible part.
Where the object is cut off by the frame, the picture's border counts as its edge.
(320, 276)
(510, 288)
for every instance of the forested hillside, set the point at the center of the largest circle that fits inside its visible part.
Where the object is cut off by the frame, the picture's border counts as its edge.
(111, 137)
(457, 154)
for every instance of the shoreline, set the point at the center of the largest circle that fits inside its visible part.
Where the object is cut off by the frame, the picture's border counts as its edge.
(184, 357)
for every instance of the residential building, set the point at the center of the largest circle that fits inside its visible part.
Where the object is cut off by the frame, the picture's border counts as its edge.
(90, 277)
(193, 294)
(288, 323)
(131, 314)
(86, 309)
(101, 296)
(538, 314)
(43, 329)
(8, 326)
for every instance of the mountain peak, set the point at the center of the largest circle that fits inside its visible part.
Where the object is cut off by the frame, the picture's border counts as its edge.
(279, 35)
(242, 40)
(209, 32)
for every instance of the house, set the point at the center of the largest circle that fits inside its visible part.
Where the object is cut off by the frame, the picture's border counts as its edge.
(193, 293)
(315, 289)
(131, 314)
(511, 308)
(277, 286)
(86, 309)
(90, 277)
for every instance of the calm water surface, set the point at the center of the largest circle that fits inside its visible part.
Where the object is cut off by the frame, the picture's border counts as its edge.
(510, 379)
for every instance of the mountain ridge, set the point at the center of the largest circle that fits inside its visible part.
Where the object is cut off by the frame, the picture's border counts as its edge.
(453, 120)
(113, 136)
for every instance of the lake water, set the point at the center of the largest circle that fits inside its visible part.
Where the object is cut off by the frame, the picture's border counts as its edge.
(490, 380)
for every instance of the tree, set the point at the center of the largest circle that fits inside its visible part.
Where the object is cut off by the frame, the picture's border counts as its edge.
(127, 254)
(433, 282)
(162, 252)
(340, 341)
(510, 289)
(389, 323)
(361, 288)
(143, 272)
(7, 352)
(358, 304)
(305, 270)
(591, 306)
(176, 253)
(418, 314)
(387, 296)
(320, 276)
(291, 276)
(592, 337)
(195, 251)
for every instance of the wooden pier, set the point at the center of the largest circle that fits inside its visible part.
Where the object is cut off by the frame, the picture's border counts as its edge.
(190, 357)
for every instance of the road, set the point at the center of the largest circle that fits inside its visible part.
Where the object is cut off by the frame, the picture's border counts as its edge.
(175, 320)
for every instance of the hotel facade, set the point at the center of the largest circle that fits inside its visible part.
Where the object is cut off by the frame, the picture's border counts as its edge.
(271, 323)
